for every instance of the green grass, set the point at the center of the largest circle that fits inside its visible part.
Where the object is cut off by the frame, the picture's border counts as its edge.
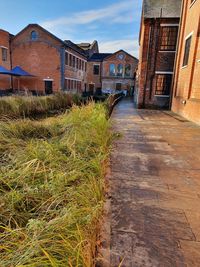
(52, 188)
(22, 106)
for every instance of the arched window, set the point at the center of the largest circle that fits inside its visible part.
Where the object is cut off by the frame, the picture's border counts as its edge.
(120, 70)
(128, 70)
(112, 70)
(34, 35)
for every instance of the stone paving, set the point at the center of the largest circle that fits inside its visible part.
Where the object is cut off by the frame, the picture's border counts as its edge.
(155, 190)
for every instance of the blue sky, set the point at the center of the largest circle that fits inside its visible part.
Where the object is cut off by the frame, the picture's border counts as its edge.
(115, 24)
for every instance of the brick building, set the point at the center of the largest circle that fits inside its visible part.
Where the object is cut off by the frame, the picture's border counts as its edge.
(158, 42)
(5, 80)
(62, 65)
(114, 71)
(186, 97)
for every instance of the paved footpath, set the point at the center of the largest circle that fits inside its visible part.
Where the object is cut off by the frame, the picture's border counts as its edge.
(155, 190)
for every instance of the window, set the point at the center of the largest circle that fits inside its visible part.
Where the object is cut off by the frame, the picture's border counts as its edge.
(112, 70)
(96, 69)
(128, 70)
(187, 51)
(168, 38)
(76, 63)
(120, 70)
(34, 35)
(70, 60)
(163, 84)
(4, 54)
(73, 59)
(66, 59)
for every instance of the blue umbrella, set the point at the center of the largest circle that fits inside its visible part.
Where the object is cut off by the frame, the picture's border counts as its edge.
(4, 71)
(18, 71)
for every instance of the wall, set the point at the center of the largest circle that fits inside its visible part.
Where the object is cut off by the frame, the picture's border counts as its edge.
(5, 81)
(41, 58)
(91, 77)
(75, 74)
(153, 61)
(108, 81)
(186, 98)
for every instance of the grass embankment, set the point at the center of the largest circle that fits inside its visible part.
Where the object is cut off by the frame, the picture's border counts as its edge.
(22, 106)
(52, 188)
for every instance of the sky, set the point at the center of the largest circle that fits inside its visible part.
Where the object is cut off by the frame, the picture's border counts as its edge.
(113, 23)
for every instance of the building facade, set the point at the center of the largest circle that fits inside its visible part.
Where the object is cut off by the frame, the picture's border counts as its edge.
(112, 71)
(186, 89)
(158, 44)
(5, 80)
(57, 65)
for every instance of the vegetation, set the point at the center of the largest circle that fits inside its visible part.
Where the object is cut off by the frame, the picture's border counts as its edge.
(22, 106)
(52, 187)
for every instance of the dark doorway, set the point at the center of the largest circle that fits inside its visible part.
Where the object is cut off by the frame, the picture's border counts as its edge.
(48, 87)
(118, 86)
(91, 88)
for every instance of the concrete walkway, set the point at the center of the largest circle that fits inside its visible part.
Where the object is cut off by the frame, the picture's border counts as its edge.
(155, 190)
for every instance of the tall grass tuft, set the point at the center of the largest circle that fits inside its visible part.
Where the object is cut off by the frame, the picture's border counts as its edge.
(22, 106)
(52, 188)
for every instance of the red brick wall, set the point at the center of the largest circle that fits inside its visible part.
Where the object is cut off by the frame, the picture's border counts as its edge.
(109, 81)
(186, 98)
(151, 61)
(91, 78)
(76, 74)
(42, 58)
(4, 42)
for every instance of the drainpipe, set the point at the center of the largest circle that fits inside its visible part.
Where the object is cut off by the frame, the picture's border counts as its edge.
(62, 68)
(156, 53)
(148, 63)
(11, 65)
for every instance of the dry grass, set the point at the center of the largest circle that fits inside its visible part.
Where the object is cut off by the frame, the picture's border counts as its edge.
(30, 106)
(52, 188)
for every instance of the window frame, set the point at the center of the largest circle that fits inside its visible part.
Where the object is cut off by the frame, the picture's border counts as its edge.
(164, 92)
(168, 47)
(186, 55)
(114, 73)
(98, 72)
(4, 54)
(34, 38)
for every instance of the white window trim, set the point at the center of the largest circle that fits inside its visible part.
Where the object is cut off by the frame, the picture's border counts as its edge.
(164, 72)
(162, 96)
(189, 35)
(48, 80)
(73, 79)
(192, 3)
(165, 51)
(3, 47)
(169, 25)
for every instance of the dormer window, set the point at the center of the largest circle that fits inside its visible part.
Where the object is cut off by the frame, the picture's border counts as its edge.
(34, 35)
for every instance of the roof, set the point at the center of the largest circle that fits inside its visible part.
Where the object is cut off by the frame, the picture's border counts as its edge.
(121, 50)
(162, 8)
(99, 56)
(41, 28)
(75, 47)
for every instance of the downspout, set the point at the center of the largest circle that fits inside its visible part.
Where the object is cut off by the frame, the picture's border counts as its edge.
(11, 65)
(148, 63)
(156, 52)
(62, 68)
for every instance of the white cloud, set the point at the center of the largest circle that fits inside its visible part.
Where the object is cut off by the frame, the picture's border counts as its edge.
(129, 45)
(115, 13)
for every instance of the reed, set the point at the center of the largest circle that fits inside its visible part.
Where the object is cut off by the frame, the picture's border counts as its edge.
(52, 188)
